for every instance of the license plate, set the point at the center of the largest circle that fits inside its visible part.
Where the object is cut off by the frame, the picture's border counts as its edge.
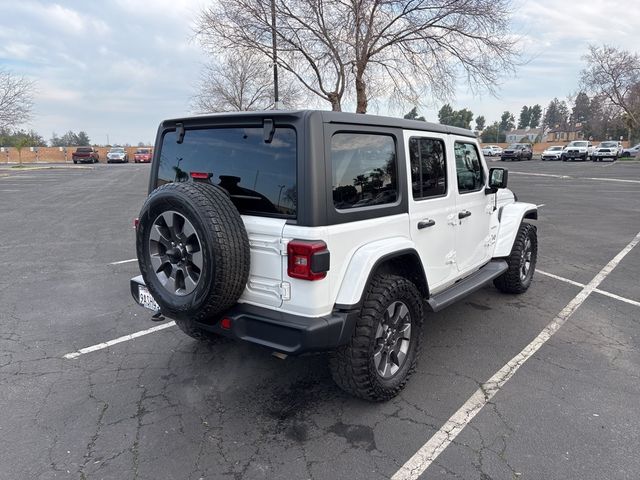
(146, 300)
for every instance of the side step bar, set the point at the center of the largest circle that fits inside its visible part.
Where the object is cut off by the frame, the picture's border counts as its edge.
(468, 285)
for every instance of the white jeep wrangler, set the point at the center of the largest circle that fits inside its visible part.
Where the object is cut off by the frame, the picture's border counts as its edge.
(310, 231)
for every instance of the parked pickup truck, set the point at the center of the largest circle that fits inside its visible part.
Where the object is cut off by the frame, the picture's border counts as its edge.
(85, 155)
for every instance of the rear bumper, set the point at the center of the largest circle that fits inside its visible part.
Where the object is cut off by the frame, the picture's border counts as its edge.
(280, 331)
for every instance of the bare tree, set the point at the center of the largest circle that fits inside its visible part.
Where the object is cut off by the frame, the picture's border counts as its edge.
(16, 99)
(406, 46)
(614, 75)
(239, 81)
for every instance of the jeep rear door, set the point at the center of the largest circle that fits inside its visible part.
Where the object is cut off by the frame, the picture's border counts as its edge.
(432, 206)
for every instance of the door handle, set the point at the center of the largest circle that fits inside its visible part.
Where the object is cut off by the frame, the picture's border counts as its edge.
(426, 224)
(464, 214)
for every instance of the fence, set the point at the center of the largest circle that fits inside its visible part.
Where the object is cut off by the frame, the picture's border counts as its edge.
(52, 154)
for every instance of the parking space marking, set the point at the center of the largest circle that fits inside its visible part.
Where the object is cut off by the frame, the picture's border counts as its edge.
(610, 179)
(429, 452)
(562, 279)
(124, 261)
(617, 297)
(575, 178)
(540, 174)
(597, 290)
(125, 338)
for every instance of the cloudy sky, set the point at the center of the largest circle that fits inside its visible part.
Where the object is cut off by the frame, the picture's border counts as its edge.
(116, 68)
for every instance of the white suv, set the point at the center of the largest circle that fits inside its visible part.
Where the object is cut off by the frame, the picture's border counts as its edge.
(309, 231)
(609, 149)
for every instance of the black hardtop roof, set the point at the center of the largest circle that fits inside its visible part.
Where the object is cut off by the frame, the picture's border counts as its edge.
(329, 117)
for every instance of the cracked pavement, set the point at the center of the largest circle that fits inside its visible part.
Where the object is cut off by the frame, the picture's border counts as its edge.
(164, 406)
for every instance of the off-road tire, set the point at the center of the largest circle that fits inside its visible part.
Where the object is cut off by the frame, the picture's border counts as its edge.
(224, 245)
(352, 365)
(511, 281)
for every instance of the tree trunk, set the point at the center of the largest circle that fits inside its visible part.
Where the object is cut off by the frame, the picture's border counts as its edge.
(361, 95)
(335, 101)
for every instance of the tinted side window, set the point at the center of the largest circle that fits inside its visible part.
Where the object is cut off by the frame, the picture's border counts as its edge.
(428, 167)
(260, 177)
(364, 171)
(468, 168)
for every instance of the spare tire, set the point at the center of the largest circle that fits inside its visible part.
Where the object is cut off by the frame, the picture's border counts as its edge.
(193, 250)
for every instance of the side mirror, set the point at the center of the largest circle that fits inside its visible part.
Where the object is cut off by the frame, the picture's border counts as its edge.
(497, 179)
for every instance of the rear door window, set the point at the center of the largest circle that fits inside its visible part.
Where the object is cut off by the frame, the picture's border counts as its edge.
(260, 177)
(428, 167)
(364, 171)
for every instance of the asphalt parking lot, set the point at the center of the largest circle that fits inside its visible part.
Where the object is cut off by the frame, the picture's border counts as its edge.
(163, 406)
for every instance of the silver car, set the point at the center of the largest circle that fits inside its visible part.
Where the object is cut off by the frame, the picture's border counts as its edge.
(117, 154)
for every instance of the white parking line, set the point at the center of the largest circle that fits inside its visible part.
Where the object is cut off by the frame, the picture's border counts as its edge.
(540, 174)
(562, 279)
(429, 452)
(597, 290)
(115, 341)
(611, 179)
(575, 178)
(124, 261)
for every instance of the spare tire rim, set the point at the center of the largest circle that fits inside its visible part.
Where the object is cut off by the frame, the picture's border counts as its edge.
(175, 252)
(393, 338)
(525, 260)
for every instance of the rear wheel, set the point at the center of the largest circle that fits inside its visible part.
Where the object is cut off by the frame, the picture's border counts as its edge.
(521, 262)
(376, 364)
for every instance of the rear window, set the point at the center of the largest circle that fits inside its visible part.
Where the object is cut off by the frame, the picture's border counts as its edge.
(84, 150)
(143, 150)
(260, 177)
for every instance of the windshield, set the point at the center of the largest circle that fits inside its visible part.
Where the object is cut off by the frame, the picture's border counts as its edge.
(116, 150)
(516, 145)
(260, 177)
(142, 150)
(609, 144)
(554, 149)
(578, 144)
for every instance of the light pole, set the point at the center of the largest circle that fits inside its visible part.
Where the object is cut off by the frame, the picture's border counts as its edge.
(276, 99)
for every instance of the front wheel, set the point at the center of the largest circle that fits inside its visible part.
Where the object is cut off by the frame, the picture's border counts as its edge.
(376, 364)
(521, 262)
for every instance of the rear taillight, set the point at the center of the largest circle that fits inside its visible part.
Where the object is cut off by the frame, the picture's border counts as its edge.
(307, 259)
(136, 221)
